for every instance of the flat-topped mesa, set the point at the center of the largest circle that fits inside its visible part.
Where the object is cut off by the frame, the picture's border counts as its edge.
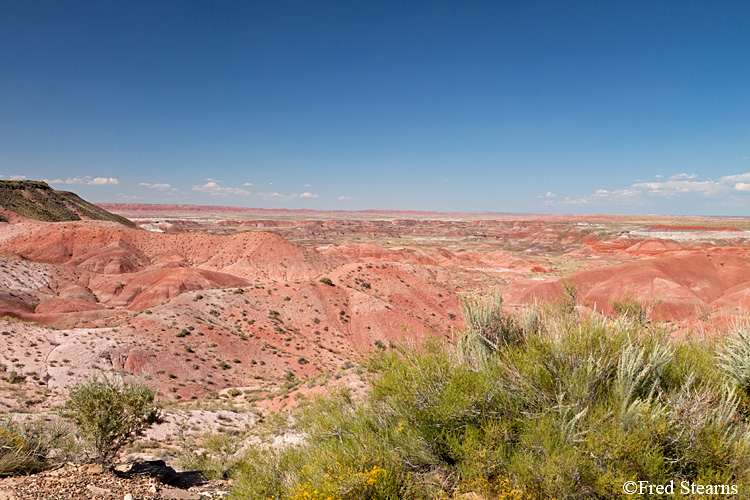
(28, 199)
(663, 227)
(692, 233)
(28, 184)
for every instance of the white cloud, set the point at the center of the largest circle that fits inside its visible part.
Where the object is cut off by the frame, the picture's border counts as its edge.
(87, 180)
(731, 179)
(548, 197)
(212, 187)
(17, 177)
(617, 195)
(277, 196)
(345, 198)
(100, 181)
(677, 185)
(123, 196)
(285, 197)
(673, 187)
(160, 187)
(623, 194)
(575, 201)
(248, 184)
(683, 176)
(308, 185)
(738, 182)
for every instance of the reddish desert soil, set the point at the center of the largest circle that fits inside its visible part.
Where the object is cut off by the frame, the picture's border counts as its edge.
(216, 298)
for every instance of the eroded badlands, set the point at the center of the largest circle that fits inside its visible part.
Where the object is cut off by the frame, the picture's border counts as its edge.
(259, 306)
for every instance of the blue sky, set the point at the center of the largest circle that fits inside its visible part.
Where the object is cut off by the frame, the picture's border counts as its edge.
(513, 106)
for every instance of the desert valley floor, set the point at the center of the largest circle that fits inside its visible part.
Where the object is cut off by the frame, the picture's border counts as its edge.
(260, 307)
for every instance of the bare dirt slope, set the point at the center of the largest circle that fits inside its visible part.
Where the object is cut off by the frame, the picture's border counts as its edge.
(197, 313)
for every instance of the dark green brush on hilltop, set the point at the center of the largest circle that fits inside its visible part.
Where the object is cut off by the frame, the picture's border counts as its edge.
(36, 200)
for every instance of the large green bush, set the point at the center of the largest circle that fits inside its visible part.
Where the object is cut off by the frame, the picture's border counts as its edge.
(110, 412)
(569, 409)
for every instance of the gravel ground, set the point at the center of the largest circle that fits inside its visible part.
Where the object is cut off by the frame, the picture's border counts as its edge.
(91, 482)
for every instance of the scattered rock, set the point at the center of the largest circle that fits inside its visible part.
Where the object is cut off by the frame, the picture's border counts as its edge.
(175, 494)
(99, 491)
(94, 469)
(90, 481)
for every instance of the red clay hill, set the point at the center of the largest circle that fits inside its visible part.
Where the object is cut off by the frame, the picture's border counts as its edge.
(215, 298)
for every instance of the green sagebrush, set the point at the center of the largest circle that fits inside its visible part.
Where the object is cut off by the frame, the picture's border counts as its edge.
(564, 407)
(110, 412)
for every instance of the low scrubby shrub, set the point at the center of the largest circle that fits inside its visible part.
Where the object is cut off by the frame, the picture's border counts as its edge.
(29, 445)
(214, 454)
(110, 413)
(488, 325)
(734, 358)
